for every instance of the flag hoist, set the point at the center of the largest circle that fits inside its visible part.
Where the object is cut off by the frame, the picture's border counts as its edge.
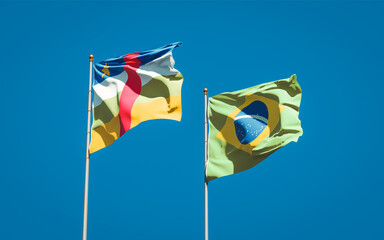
(205, 166)
(86, 184)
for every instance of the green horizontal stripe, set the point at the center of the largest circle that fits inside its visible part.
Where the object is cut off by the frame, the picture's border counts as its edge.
(161, 86)
(104, 112)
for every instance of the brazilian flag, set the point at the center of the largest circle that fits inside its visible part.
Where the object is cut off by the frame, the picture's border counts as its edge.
(248, 125)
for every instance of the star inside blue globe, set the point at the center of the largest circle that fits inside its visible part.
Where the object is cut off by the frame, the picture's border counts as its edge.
(251, 121)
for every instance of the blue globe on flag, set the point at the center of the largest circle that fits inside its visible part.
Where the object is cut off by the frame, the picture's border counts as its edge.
(251, 121)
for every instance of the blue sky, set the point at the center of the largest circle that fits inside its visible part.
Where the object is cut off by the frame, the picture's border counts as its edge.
(149, 183)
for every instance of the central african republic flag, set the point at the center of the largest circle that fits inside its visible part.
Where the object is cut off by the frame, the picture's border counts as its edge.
(131, 89)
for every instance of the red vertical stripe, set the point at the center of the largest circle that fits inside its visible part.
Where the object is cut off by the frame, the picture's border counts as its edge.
(130, 91)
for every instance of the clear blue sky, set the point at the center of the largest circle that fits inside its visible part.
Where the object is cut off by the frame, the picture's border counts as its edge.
(149, 183)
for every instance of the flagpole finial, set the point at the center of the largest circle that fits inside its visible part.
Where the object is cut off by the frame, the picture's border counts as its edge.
(91, 58)
(205, 91)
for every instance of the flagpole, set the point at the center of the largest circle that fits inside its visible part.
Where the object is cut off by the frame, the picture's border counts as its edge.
(205, 165)
(85, 214)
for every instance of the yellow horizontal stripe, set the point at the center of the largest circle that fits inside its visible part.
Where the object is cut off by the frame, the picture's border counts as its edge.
(105, 134)
(158, 108)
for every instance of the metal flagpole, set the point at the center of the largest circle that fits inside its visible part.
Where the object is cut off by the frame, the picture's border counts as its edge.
(85, 215)
(205, 165)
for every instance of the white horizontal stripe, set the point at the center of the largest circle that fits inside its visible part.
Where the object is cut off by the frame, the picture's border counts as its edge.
(261, 118)
(108, 88)
(146, 76)
(160, 66)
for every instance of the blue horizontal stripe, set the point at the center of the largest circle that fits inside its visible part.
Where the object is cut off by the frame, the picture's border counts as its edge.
(148, 56)
(115, 65)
